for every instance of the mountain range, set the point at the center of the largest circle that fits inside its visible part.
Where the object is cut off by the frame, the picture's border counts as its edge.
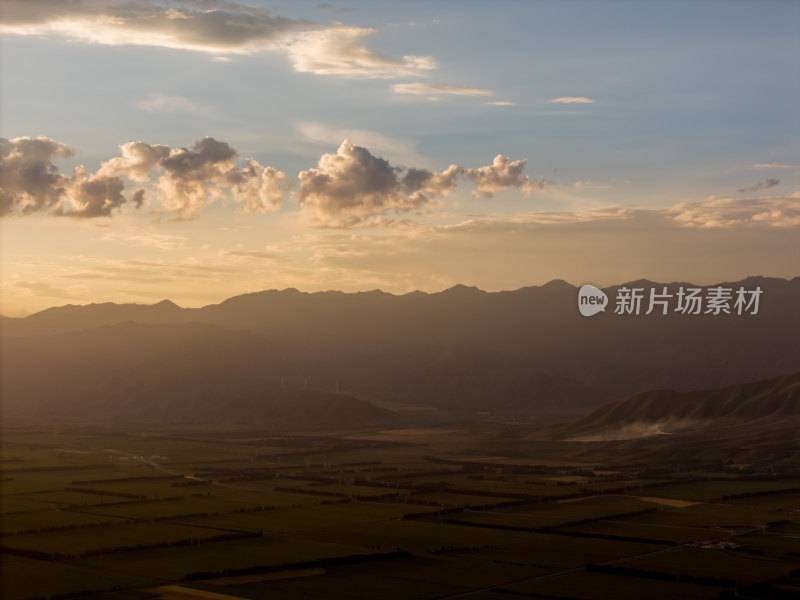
(523, 352)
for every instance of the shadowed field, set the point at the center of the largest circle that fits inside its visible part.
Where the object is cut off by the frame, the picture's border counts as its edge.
(197, 513)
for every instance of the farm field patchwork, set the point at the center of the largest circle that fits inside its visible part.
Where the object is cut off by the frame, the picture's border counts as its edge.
(199, 513)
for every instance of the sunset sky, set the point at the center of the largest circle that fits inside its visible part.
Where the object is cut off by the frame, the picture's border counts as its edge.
(199, 149)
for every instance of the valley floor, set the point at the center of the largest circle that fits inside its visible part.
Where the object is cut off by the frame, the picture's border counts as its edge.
(193, 513)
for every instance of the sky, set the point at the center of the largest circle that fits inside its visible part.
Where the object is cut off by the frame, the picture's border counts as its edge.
(199, 149)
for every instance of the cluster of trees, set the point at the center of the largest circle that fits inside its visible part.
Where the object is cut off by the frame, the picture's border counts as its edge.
(323, 562)
(683, 578)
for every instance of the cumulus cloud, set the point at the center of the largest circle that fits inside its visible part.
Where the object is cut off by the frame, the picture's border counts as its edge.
(30, 182)
(396, 148)
(572, 100)
(339, 50)
(423, 185)
(216, 28)
(763, 185)
(136, 162)
(194, 177)
(430, 89)
(353, 188)
(728, 212)
(501, 174)
(92, 195)
(261, 189)
(190, 179)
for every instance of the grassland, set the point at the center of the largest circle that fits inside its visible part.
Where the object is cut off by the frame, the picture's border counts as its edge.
(113, 515)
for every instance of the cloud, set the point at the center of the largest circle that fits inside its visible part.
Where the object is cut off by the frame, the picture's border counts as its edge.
(423, 185)
(590, 185)
(145, 238)
(216, 28)
(147, 272)
(501, 103)
(428, 89)
(162, 103)
(219, 28)
(572, 100)
(190, 179)
(250, 254)
(397, 148)
(42, 288)
(194, 177)
(728, 212)
(260, 188)
(351, 188)
(339, 50)
(30, 182)
(501, 174)
(625, 243)
(774, 166)
(136, 162)
(354, 188)
(92, 195)
(771, 182)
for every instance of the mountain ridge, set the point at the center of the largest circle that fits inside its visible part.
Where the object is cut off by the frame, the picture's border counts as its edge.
(756, 405)
(525, 349)
(167, 303)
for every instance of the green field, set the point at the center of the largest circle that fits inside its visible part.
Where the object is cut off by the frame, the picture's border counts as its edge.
(85, 511)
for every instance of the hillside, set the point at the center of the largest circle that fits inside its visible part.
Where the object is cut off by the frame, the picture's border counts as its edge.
(169, 373)
(755, 406)
(527, 350)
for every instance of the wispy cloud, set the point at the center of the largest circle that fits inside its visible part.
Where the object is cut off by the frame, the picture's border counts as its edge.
(250, 254)
(226, 28)
(729, 212)
(430, 89)
(763, 185)
(44, 289)
(592, 186)
(179, 104)
(774, 166)
(339, 50)
(145, 238)
(219, 29)
(572, 100)
(501, 103)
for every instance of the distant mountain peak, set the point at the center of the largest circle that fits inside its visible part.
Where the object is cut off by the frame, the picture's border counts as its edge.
(460, 288)
(555, 284)
(166, 303)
